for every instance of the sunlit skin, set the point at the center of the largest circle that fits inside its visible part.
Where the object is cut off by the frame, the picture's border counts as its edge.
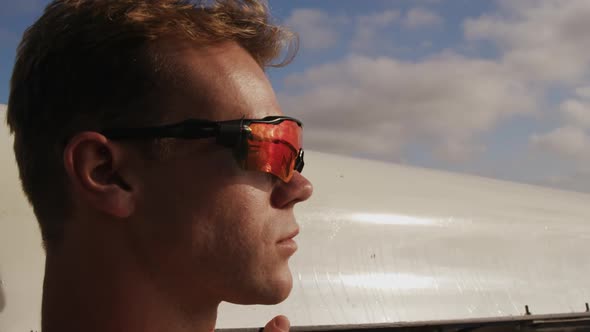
(157, 245)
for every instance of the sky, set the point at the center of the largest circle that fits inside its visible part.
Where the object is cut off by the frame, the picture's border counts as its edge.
(494, 88)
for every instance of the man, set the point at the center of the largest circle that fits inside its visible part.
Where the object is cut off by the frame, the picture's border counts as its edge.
(152, 148)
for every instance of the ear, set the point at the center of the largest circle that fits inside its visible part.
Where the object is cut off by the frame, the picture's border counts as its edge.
(93, 165)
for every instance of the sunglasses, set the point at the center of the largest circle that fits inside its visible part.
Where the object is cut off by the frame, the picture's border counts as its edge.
(271, 145)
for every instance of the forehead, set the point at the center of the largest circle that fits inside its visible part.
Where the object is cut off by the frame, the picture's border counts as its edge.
(219, 82)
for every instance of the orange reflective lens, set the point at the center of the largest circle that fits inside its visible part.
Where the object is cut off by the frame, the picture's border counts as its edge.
(274, 148)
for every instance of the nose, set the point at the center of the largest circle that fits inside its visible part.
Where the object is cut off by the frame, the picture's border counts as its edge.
(297, 190)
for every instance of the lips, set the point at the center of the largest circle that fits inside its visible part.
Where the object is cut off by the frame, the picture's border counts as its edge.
(290, 236)
(287, 246)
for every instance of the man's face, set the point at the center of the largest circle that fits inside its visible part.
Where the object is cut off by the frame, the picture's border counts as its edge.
(203, 227)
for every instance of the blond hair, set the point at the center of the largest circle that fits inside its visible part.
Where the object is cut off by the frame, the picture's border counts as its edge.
(84, 65)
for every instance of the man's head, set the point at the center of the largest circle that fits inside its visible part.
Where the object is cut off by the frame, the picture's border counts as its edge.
(183, 209)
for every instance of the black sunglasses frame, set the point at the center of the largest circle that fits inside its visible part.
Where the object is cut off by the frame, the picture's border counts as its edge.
(230, 133)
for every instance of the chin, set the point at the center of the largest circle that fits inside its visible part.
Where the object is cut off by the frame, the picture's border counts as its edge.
(278, 295)
(267, 292)
(281, 287)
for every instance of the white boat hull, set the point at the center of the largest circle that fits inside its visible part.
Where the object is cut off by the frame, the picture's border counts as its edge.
(379, 243)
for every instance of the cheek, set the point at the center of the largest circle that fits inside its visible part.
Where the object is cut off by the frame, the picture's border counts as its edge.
(241, 226)
(211, 209)
(241, 221)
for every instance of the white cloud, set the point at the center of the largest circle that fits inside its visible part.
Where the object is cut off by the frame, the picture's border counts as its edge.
(426, 44)
(6, 153)
(583, 92)
(3, 127)
(570, 141)
(577, 181)
(544, 42)
(540, 39)
(379, 105)
(383, 106)
(368, 29)
(421, 17)
(379, 20)
(576, 112)
(567, 141)
(316, 29)
(398, 2)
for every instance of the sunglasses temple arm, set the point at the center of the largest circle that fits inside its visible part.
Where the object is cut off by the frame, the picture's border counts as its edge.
(184, 130)
(229, 134)
(299, 163)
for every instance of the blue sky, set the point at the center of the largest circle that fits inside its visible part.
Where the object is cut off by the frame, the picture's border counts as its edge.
(493, 88)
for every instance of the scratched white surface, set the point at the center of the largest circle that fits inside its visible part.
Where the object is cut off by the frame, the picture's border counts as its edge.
(385, 243)
(379, 243)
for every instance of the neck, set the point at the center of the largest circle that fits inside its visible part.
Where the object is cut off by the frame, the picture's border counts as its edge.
(97, 289)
